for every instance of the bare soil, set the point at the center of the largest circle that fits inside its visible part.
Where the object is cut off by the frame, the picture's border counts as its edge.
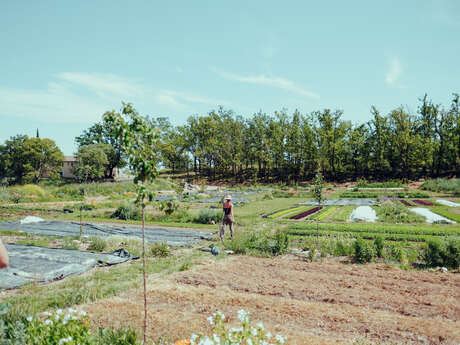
(328, 302)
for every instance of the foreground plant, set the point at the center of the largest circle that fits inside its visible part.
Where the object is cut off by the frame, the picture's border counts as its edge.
(245, 334)
(62, 327)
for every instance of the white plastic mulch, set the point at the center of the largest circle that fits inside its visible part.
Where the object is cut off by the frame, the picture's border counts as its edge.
(448, 203)
(31, 219)
(430, 216)
(363, 214)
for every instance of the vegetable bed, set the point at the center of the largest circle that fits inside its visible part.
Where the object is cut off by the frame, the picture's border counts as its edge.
(324, 213)
(405, 202)
(423, 202)
(446, 213)
(307, 213)
(285, 212)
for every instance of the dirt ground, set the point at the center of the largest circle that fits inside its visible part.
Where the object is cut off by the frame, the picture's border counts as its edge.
(327, 302)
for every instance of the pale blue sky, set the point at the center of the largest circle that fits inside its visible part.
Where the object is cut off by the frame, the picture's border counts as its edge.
(62, 63)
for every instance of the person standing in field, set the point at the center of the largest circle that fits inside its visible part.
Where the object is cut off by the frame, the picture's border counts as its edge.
(3, 256)
(228, 216)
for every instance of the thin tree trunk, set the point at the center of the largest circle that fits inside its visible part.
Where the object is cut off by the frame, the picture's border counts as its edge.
(143, 273)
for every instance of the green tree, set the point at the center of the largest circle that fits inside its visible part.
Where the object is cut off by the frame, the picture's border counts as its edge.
(91, 162)
(104, 132)
(141, 144)
(28, 160)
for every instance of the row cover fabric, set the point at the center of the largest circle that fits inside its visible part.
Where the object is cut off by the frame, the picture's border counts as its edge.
(171, 237)
(38, 264)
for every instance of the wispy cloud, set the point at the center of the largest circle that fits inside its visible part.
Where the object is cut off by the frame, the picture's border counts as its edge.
(83, 97)
(105, 85)
(277, 82)
(182, 101)
(394, 72)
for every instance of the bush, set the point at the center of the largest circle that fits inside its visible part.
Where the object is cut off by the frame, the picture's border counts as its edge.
(379, 244)
(259, 242)
(160, 250)
(363, 251)
(206, 215)
(117, 337)
(443, 253)
(97, 244)
(127, 212)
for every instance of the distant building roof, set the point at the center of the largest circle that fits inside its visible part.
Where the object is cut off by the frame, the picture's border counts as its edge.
(69, 159)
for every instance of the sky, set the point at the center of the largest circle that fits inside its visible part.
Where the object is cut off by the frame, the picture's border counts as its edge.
(63, 64)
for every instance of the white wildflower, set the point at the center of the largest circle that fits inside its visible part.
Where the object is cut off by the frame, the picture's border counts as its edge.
(46, 313)
(29, 318)
(71, 310)
(48, 322)
(82, 313)
(59, 311)
(268, 335)
(243, 315)
(280, 339)
(210, 320)
(254, 331)
(249, 341)
(260, 325)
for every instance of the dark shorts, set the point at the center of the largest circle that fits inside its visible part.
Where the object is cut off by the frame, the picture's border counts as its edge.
(228, 220)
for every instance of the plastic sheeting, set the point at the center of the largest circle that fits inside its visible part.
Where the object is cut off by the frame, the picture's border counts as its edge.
(430, 216)
(448, 203)
(363, 214)
(38, 264)
(342, 202)
(172, 237)
(31, 219)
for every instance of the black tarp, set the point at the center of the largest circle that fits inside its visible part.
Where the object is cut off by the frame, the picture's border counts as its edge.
(40, 264)
(172, 237)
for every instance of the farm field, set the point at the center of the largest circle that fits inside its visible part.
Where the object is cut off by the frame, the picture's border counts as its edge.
(328, 302)
(305, 281)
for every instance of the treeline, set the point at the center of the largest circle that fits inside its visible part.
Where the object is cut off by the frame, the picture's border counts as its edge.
(292, 147)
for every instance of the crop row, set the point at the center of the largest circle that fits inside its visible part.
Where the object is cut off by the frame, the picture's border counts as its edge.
(324, 213)
(307, 213)
(284, 212)
(365, 235)
(373, 195)
(446, 213)
(435, 230)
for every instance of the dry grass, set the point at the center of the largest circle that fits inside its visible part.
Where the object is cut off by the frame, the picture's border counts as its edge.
(311, 303)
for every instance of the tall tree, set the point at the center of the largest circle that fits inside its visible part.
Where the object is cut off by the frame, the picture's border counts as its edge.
(26, 160)
(104, 132)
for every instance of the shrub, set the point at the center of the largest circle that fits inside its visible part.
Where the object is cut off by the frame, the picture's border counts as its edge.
(117, 337)
(206, 215)
(445, 253)
(259, 243)
(379, 244)
(160, 250)
(363, 251)
(169, 207)
(127, 212)
(97, 244)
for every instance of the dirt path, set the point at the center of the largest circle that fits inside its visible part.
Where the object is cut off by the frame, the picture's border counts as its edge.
(311, 303)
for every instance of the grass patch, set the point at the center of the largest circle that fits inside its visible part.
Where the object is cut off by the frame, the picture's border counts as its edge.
(96, 284)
